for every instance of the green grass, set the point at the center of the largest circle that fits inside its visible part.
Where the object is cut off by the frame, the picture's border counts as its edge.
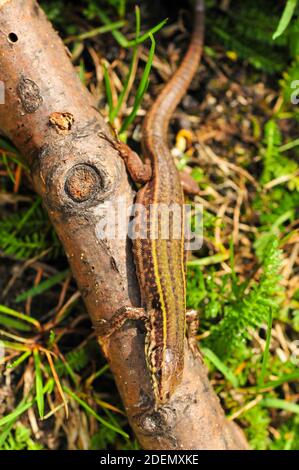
(114, 109)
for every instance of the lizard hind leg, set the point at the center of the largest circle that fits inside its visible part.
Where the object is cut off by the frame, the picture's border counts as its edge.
(105, 328)
(192, 322)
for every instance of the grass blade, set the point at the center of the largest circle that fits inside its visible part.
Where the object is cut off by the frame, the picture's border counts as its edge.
(132, 71)
(289, 145)
(43, 286)
(15, 324)
(122, 40)
(148, 34)
(14, 346)
(39, 384)
(21, 408)
(267, 347)
(27, 215)
(285, 19)
(208, 260)
(20, 316)
(228, 374)
(109, 94)
(292, 377)
(19, 360)
(96, 31)
(94, 414)
(57, 381)
(280, 404)
(141, 88)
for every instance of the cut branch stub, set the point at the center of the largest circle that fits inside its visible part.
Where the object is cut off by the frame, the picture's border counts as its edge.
(82, 182)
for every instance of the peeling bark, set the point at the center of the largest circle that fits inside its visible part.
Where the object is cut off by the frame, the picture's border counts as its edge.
(52, 120)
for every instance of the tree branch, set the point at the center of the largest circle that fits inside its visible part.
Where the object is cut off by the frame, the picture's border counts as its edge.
(52, 120)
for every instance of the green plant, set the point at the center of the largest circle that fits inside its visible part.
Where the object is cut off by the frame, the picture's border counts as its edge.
(257, 420)
(20, 439)
(276, 165)
(248, 305)
(114, 108)
(238, 306)
(28, 233)
(286, 17)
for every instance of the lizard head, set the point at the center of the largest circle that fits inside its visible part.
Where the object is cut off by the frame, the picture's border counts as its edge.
(166, 378)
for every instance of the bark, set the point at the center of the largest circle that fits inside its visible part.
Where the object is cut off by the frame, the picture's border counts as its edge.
(52, 120)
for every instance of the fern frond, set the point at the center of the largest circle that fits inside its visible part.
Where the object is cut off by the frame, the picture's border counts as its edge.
(256, 55)
(76, 361)
(28, 233)
(250, 309)
(275, 163)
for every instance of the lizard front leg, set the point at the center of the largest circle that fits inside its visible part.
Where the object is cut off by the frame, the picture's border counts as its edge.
(105, 328)
(140, 172)
(192, 322)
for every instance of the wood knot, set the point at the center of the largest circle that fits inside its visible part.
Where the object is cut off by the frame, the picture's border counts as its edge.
(82, 182)
(29, 94)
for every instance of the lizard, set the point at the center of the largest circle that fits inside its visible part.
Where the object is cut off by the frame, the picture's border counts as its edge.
(161, 262)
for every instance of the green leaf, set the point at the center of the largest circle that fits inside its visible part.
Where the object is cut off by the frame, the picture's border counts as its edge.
(19, 360)
(26, 234)
(108, 89)
(100, 30)
(148, 34)
(14, 346)
(275, 164)
(122, 40)
(27, 215)
(43, 286)
(133, 65)
(289, 145)
(15, 324)
(21, 316)
(208, 260)
(93, 413)
(247, 310)
(280, 404)
(292, 377)
(21, 408)
(270, 62)
(266, 352)
(285, 19)
(39, 384)
(141, 88)
(221, 366)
